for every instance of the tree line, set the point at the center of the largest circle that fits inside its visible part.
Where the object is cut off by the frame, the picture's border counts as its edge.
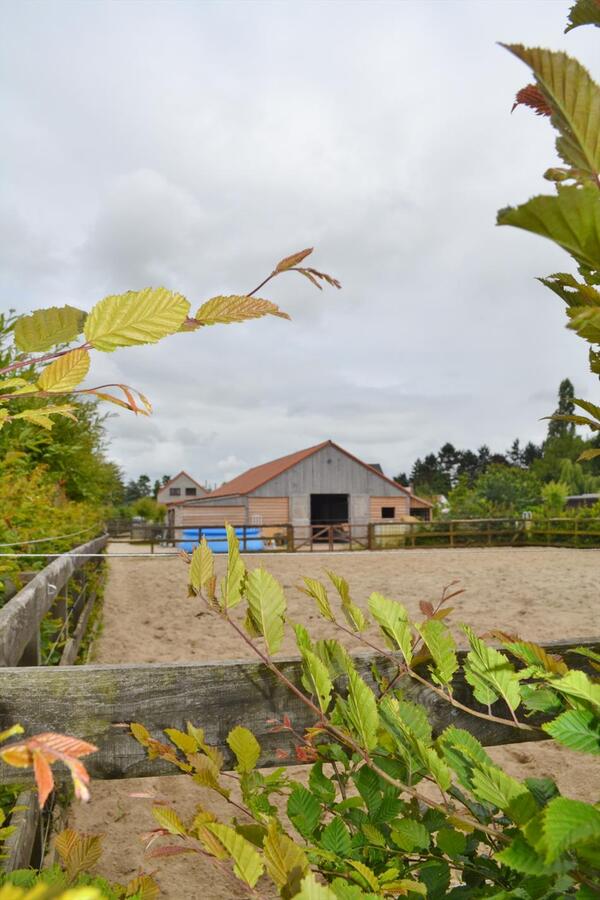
(483, 482)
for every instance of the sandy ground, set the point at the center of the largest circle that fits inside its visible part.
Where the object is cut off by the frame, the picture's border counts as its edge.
(542, 594)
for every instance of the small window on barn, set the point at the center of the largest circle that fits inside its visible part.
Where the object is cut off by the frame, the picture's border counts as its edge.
(388, 512)
(190, 492)
(174, 492)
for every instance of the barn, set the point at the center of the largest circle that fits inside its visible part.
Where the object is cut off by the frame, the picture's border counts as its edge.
(320, 485)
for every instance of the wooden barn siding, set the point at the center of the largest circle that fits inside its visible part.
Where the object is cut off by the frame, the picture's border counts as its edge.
(316, 475)
(273, 510)
(212, 515)
(401, 507)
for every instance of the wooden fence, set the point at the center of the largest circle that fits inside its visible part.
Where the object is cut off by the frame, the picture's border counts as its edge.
(65, 591)
(453, 533)
(95, 702)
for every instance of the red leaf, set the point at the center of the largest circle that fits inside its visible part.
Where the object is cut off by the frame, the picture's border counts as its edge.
(171, 851)
(532, 97)
(43, 777)
(426, 608)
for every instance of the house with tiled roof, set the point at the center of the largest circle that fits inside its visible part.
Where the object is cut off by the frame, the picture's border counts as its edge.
(180, 488)
(321, 485)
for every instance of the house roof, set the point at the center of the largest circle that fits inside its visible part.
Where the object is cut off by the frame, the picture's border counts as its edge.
(179, 474)
(254, 478)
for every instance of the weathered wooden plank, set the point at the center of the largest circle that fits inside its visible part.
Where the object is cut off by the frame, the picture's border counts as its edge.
(18, 847)
(21, 616)
(73, 644)
(93, 702)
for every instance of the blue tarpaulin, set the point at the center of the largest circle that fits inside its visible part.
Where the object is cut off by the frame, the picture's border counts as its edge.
(216, 538)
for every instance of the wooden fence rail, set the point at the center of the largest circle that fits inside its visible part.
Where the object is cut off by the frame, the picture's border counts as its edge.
(64, 590)
(96, 703)
(21, 617)
(452, 533)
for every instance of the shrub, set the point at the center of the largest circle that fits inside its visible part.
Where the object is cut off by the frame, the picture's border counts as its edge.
(390, 808)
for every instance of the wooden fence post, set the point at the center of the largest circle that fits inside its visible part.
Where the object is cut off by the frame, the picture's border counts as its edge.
(451, 523)
(289, 538)
(370, 535)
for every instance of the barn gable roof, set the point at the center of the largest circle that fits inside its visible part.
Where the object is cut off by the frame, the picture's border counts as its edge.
(259, 475)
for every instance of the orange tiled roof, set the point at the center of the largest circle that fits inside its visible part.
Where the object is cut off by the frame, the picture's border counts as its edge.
(254, 478)
(259, 475)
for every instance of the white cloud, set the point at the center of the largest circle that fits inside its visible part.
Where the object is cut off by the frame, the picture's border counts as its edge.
(193, 144)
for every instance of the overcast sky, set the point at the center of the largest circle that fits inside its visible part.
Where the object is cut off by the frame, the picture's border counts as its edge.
(193, 144)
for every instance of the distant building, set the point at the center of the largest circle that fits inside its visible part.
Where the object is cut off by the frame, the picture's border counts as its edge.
(576, 500)
(181, 487)
(320, 485)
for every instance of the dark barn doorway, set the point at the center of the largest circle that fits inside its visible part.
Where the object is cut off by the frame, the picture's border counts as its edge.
(328, 509)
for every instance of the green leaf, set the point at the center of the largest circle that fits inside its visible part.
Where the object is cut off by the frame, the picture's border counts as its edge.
(534, 655)
(368, 785)
(304, 810)
(335, 656)
(570, 219)
(578, 729)
(45, 328)
(575, 102)
(523, 858)
(266, 607)
(577, 684)
(352, 613)
(168, 819)
(392, 618)
(464, 753)
(236, 308)
(322, 786)
(202, 568)
(316, 679)
(65, 373)
(409, 835)
(335, 837)
(450, 842)
(248, 865)
(245, 747)
(318, 591)
(543, 789)
(231, 585)
(584, 12)
(361, 711)
(285, 861)
(567, 823)
(540, 699)
(442, 647)
(415, 717)
(137, 317)
(492, 785)
(303, 641)
(488, 670)
(435, 874)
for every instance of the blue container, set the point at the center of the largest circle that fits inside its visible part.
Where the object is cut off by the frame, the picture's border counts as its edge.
(216, 538)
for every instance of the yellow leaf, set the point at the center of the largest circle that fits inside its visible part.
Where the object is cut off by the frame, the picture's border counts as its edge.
(248, 866)
(137, 317)
(167, 818)
(246, 748)
(65, 373)
(45, 328)
(236, 308)
(289, 262)
(285, 860)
